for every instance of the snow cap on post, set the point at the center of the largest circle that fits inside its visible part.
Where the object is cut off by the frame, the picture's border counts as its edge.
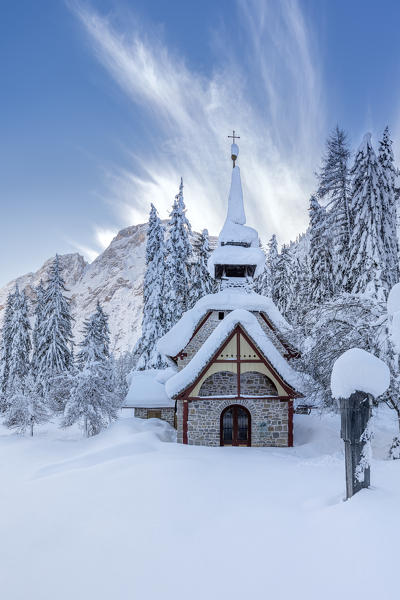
(358, 370)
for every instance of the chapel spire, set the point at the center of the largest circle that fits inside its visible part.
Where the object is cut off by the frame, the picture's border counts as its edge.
(238, 256)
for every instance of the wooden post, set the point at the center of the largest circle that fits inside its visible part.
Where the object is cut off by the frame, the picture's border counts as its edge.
(355, 413)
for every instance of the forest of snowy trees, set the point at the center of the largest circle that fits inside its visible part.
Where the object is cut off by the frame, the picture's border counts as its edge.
(41, 378)
(332, 284)
(45, 376)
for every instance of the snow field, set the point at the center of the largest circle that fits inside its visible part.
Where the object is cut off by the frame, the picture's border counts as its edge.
(128, 514)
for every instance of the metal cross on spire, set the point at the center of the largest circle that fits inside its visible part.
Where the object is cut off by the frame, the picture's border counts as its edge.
(234, 136)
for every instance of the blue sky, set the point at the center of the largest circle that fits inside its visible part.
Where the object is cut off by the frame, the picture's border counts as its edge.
(105, 104)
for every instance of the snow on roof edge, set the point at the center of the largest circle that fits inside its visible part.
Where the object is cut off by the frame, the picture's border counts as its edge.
(147, 389)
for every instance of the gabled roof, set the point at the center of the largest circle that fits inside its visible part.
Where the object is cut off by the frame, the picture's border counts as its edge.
(229, 299)
(184, 378)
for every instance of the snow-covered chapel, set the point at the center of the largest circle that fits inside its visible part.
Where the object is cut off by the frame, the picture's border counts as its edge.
(231, 382)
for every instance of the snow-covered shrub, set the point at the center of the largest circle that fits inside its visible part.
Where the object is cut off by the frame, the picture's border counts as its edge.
(394, 452)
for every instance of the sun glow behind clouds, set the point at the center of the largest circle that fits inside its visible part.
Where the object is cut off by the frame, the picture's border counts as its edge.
(268, 88)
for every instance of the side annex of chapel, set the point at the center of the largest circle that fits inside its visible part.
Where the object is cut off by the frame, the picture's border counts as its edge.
(231, 381)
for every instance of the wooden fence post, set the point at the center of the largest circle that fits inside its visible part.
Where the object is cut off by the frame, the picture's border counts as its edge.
(355, 414)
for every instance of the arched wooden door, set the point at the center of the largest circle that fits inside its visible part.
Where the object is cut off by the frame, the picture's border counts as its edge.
(235, 426)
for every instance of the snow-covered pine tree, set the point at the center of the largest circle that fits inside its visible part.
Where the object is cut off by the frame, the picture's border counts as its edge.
(177, 254)
(28, 407)
(96, 339)
(261, 284)
(321, 262)
(20, 345)
(283, 280)
(55, 354)
(299, 304)
(153, 322)
(103, 331)
(5, 350)
(92, 401)
(37, 327)
(55, 358)
(334, 189)
(272, 261)
(25, 405)
(202, 283)
(389, 222)
(367, 266)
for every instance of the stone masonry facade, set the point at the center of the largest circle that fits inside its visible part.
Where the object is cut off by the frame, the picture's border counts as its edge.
(257, 384)
(269, 421)
(224, 383)
(166, 414)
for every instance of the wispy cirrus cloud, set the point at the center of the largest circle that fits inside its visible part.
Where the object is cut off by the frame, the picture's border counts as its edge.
(267, 85)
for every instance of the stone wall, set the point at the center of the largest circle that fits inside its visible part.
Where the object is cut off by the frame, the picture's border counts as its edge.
(269, 421)
(167, 414)
(223, 383)
(256, 384)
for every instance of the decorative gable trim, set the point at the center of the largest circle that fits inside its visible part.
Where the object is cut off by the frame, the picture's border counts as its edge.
(239, 331)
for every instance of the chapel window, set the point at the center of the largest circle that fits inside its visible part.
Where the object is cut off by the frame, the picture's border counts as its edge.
(154, 414)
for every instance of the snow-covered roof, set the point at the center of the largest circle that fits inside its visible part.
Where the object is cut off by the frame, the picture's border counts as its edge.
(147, 389)
(188, 374)
(232, 232)
(237, 255)
(358, 370)
(229, 299)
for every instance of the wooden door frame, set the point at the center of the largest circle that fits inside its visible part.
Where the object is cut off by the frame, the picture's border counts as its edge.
(221, 420)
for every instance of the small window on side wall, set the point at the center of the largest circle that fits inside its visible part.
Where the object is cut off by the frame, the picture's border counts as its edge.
(221, 315)
(154, 414)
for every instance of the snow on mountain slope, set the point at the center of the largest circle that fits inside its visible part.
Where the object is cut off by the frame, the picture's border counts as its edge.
(115, 278)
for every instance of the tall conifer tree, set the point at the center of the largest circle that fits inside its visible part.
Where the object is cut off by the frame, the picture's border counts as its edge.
(5, 348)
(20, 345)
(334, 188)
(153, 322)
(93, 402)
(272, 262)
(389, 212)
(55, 335)
(202, 283)
(178, 251)
(37, 327)
(261, 284)
(284, 280)
(367, 268)
(321, 262)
